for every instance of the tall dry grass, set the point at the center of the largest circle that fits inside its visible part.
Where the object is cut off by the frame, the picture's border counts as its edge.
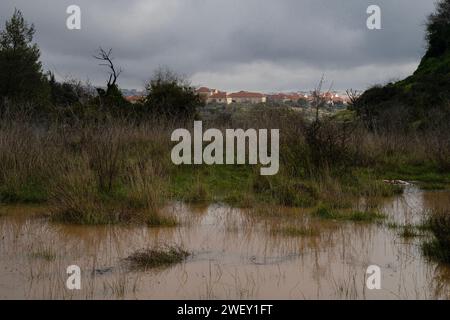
(120, 170)
(109, 172)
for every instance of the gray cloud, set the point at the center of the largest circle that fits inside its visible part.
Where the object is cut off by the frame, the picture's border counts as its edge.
(233, 44)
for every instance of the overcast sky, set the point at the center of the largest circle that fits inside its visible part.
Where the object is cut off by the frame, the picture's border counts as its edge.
(276, 45)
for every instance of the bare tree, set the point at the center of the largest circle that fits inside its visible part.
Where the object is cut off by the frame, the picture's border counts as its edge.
(353, 96)
(105, 57)
(319, 98)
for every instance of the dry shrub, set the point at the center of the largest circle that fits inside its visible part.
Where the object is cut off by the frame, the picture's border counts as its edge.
(75, 198)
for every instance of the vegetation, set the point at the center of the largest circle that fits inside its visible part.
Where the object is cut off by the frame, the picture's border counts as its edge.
(408, 231)
(93, 158)
(119, 170)
(21, 74)
(438, 247)
(325, 212)
(154, 258)
(294, 231)
(421, 100)
(171, 96)
(97, 159)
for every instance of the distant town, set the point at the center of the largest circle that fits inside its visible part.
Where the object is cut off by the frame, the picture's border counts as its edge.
(218, 97)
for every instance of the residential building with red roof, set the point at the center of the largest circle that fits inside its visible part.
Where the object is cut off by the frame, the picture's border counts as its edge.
(286, 97)
(205, 92)
(219, 97)
(248, 97)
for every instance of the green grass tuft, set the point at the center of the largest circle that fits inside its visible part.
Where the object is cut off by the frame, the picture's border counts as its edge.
(325, 212)
(157, 257)
(294, 231)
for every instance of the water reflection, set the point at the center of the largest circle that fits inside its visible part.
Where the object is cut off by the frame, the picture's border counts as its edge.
(234, 255)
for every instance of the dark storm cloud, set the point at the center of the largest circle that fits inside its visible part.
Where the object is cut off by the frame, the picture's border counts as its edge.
(233, 44)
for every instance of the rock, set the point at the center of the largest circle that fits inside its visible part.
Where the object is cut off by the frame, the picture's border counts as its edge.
(397, 182)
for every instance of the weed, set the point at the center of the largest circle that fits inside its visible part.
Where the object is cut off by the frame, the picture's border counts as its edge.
(325, 212)
(294, 231)
(439, 247)
(156, 257)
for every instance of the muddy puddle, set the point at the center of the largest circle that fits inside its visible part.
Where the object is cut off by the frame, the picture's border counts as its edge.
(234, 255)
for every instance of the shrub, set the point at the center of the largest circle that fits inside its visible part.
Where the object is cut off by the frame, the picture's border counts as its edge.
(439, 247)
(170, 96)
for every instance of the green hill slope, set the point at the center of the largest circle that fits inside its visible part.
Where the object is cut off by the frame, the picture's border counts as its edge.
(424, 97)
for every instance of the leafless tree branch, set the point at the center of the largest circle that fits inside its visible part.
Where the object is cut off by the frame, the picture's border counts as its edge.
(114, 73)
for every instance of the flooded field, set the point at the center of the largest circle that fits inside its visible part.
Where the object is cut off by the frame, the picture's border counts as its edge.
(234, 255)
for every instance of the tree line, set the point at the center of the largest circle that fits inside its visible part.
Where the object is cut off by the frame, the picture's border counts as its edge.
(419, 101)
(23, 81)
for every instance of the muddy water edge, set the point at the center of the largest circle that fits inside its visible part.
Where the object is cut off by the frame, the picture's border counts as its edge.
(234, 254)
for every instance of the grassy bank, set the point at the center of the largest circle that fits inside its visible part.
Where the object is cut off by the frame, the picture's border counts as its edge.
(119, 171)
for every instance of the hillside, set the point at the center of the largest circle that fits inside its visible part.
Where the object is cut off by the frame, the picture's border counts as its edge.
(424, 96)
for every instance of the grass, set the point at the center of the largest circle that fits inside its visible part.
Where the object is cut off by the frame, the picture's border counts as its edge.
(364, 182)
(438, 248)
(425, 174)
(157, 257)
(120, 172)
(265, 211)
(198, 192)
(243, 200)
(85, 194)
(121, 285)
(291, 193)
(409, 231)
(436, 251)
(221, 183)
(24, 193)
(89, 212)
(325, 212)
(295, 231)
(437, 225)
(430, 186)
(43, 253)
(157, 220)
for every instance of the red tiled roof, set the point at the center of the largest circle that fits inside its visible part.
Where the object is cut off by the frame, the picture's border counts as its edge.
(203, 90)
(277, 96)
(285, 96)
(294, 96)
(219, 95)
(246, 94)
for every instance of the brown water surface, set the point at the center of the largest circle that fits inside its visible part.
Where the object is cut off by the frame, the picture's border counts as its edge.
(235, 255)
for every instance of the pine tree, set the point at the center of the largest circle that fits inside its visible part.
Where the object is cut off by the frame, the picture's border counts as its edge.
(438, 30)
(21, 74)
